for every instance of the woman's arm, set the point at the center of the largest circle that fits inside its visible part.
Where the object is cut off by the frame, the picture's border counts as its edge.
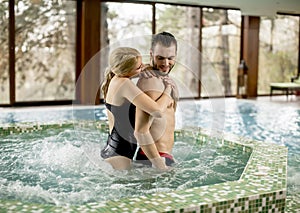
(145, 139)
(131, 92)
(153, 88)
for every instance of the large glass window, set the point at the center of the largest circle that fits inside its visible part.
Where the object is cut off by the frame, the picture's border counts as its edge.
(278, 50)
(183, 22)
(4, 51)
(125, 24)
(221, 51)
(124, 21)
(45, 50)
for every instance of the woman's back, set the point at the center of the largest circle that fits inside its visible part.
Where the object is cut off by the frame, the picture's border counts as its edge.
(114, 96)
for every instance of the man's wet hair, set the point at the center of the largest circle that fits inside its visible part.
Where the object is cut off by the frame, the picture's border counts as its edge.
(164, 38)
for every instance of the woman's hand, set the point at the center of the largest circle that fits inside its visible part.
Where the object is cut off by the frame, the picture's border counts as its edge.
(169, 82)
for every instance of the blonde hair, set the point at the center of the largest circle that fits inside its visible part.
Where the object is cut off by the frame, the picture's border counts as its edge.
(121, 62)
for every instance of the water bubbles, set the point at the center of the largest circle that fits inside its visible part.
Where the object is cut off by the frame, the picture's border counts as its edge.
(57, 167)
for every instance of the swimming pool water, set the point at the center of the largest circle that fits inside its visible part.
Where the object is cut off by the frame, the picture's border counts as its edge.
(63, 166)
(52, 114)
(263, 121)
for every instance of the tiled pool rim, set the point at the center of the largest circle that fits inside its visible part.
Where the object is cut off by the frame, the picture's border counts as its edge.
(261, 187)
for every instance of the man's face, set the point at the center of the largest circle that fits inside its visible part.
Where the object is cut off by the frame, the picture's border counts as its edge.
(163, 58)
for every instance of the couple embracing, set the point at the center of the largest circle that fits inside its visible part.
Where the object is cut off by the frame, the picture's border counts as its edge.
(141, 116)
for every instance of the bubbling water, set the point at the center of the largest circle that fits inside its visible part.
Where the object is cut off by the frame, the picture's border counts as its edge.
(63, 166)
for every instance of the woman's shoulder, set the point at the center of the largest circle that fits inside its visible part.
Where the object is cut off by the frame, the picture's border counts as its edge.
(123, 84)
(117, 82)
(121, 79)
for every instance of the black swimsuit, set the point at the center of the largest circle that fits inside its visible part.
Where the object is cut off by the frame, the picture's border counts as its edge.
(121, 140)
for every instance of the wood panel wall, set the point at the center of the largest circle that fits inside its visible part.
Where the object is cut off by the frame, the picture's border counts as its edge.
(250, 51)
(88, 68)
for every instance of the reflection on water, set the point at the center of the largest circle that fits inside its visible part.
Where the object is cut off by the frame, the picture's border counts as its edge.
(262, 121)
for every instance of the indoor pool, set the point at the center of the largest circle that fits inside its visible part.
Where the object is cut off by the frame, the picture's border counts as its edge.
(46, 159)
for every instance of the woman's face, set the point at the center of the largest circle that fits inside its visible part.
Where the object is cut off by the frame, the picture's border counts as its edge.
(137, 69)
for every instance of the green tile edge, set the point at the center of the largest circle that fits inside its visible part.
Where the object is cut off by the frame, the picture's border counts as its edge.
(261, 187)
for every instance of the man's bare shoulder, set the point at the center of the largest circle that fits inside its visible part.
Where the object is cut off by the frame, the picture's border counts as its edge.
(151, 84)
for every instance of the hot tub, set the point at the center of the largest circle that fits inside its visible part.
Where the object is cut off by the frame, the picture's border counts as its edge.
(260, 188)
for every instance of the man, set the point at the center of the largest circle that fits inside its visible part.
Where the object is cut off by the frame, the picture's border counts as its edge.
(156, 136)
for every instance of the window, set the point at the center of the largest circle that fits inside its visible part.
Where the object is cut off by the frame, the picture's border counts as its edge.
(4, 52)
(125, 24)
(278, 50)
(183, 22)
(220, 42)
(45, 50)
(126, 20)
(221, 51)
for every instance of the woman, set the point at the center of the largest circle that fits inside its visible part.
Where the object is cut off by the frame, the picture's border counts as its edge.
(121, 96)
